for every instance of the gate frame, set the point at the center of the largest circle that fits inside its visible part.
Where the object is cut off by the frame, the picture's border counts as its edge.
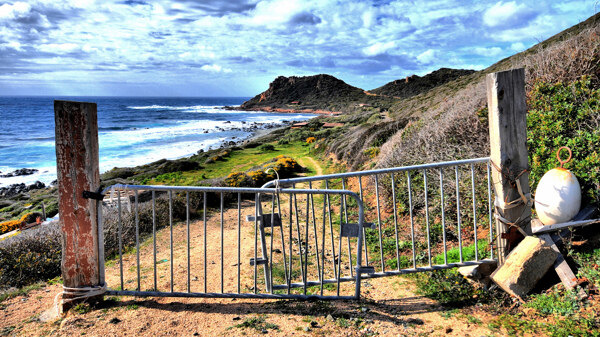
(257, 192)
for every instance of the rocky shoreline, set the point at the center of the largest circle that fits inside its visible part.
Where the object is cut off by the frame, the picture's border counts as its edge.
(15, 198)
(285, 110)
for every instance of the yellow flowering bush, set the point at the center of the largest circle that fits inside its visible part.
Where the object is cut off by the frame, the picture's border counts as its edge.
(11, 225)
(310, 140)
(237, 179)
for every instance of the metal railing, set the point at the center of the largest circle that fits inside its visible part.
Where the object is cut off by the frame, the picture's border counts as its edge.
(435, 207)
(204, 257)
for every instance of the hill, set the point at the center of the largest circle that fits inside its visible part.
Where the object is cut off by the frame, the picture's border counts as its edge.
(317, 92)
(414, 85)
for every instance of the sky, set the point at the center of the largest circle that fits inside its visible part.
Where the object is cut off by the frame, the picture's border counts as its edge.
(237, 47)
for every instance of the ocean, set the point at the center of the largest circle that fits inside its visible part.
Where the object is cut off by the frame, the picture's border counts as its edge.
(132, 130)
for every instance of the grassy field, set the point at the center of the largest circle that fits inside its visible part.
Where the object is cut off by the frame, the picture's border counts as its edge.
(240, 160)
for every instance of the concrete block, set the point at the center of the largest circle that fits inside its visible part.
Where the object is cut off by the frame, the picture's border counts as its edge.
(525, 266)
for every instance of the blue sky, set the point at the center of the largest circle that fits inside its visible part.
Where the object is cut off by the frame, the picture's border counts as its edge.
(236, 47)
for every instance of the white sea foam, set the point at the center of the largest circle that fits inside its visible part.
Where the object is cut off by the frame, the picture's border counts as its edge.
(170, 107)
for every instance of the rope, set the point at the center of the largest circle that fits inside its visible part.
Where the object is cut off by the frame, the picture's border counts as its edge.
(523, 199)
(81, 293)
(277, 187)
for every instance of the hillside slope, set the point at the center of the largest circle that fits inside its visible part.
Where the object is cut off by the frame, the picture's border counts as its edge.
(449, 121)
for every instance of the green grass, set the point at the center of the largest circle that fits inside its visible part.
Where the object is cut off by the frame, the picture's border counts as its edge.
(259, 324)
(21, 291)
(237, 161)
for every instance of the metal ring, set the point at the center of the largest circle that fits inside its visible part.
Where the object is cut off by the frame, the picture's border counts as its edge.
(562, 162)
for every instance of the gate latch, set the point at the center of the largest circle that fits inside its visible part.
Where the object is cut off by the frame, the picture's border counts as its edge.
(265, 219)
(258, 262)
(94, 195)
(366, 270)
(350, 230)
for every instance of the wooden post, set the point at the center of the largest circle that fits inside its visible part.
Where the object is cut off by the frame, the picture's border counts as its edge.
(508, 152)
(77, 170)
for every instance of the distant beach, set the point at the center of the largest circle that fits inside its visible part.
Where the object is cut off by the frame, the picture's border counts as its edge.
(132, 131)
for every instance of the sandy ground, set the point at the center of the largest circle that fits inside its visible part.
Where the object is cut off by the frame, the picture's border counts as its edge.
(389, 306)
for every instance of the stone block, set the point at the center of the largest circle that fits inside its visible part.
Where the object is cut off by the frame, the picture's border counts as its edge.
(525, 266)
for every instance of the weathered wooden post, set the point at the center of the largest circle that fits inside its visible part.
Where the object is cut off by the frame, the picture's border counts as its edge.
(508, 152)
(77, 170)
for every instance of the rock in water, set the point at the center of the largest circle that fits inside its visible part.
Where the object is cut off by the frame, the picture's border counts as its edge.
(525, 266)
(19, 172)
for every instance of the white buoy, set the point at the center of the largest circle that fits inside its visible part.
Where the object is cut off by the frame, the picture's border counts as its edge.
(558, 194)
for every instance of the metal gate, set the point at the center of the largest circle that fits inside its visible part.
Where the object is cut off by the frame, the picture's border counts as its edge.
(419, 218)
(297, 241)
(175, 241)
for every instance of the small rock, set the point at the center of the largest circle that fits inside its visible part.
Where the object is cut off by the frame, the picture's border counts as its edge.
(363, 309)
(114, 320)
(265, 331)
(416, 321)
(329, 317)
(306, 329)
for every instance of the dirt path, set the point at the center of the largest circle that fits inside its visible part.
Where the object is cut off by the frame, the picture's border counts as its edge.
(318, 168)
(389, 306)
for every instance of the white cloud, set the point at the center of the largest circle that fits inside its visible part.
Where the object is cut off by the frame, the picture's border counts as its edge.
(58, 48)
(501, 12)
(427, 56)
(518, 46)
(215, 68)
(164, 41)
(379, 48)
(12, 45)
(492, 51)
(15, 10)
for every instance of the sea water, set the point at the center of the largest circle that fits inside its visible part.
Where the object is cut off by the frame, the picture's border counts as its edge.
(132, 130)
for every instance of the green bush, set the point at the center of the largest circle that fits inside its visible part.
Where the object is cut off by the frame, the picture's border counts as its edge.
(555, 303)
(566, 115)
(266, 148)
(447, 287)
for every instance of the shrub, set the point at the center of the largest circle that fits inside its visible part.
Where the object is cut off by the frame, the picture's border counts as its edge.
(237, 179)
(266, 148)
(31, 256)
(310, 140)
(566, 115)
(371, 152)
(447, 287)
(111, 221)
(555, 303)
